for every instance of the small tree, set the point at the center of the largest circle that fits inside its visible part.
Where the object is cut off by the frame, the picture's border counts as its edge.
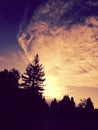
(54, 108)
(82, 103)
(89, 105)
(33, 77)
(86, 104)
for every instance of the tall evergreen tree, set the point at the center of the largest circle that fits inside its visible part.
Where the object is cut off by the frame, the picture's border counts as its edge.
(33, 78)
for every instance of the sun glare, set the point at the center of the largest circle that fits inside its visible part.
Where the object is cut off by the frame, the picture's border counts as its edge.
(51, 88)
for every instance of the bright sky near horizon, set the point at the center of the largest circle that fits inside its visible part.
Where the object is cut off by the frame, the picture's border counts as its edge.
(64, 34)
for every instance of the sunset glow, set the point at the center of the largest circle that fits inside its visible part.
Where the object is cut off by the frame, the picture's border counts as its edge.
(67, 46)
(69, 57)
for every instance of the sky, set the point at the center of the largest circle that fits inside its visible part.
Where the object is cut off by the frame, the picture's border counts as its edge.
(65, 35)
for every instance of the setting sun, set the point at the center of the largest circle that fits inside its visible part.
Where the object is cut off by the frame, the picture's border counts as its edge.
(51, 89)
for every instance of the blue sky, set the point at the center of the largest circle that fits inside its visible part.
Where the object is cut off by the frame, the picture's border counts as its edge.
(11, 15)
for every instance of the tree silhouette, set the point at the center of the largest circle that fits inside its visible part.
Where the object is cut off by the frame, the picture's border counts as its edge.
(8, 97)
(9, 80)
(86, 104)
(89, 105)
(54, 108)
(33, 105)
(33, 77)
(82, 103)
(72, 103)
(67, 107)
(27, 109)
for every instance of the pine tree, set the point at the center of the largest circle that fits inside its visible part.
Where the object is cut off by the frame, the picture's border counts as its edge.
(33, 78)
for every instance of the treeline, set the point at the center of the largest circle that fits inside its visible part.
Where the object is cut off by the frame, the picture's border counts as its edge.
(22, 106)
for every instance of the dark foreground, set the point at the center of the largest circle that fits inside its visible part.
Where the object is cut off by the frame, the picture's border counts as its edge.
(27, 109)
